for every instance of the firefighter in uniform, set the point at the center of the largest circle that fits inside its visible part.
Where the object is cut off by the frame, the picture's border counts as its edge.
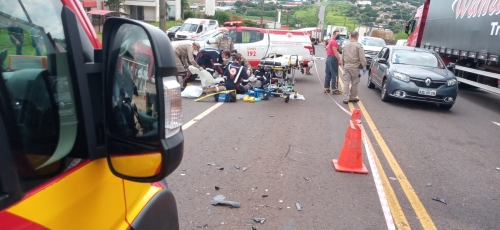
(225, 42)
(184, 56)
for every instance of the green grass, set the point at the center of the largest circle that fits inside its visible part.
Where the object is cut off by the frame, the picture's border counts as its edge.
(258, 18)
(5, 43)
(307, 16)
(401, 35)
(334, 15)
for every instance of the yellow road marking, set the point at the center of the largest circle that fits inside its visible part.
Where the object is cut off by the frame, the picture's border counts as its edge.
(397, 212)
(412, 196)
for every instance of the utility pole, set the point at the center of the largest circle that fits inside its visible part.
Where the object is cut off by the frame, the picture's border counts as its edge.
(262, 15)
(163, 11)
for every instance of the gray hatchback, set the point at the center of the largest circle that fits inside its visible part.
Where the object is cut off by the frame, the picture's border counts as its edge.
(413, 74)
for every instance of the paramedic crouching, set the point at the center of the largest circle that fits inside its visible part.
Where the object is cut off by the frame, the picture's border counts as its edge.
(236, 75)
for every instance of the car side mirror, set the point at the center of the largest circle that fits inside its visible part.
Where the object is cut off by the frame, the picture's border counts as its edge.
(143, 117)
(407, 27)
(212, 41)
(382, 61)
(451, 66)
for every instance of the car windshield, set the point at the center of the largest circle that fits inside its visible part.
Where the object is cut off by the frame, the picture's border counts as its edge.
(373, 42)
(418, 58)
(173, 28)
(206, 35)
(189, 27)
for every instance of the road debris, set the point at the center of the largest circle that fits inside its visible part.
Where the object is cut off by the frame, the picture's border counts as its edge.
(429, 184)
(442, 200)
(203, 226)
(183, 169)
(237, 167)
(299, 208)
(498, 168)
(307, 178)
(259, 220)
(221, 200)
(281, 201)
(217, 188)
(254, 228)
(392, 178)
(220, 168)
(271, 115)
(183, 174)
(264, 195)
(211, 164)
(289, 148)
(244, 168)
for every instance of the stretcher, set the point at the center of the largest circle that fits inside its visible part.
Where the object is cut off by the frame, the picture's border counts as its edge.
(280, 70)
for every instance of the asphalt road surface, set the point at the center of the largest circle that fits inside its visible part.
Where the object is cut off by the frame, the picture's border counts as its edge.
(421, 153)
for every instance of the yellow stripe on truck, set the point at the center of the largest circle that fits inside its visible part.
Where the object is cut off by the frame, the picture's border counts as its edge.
(89, 198)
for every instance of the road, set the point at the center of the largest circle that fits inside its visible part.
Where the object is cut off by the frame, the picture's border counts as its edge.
(421, 152)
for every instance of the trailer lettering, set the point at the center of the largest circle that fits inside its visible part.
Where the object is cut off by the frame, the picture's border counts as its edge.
(494, 25)
(475, 8)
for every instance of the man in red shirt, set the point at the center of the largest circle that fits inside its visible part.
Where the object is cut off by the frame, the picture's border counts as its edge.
(332, 64)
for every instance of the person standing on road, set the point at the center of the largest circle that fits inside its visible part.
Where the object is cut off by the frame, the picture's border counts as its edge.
(332, 64)
(225, 42)
(353, 57)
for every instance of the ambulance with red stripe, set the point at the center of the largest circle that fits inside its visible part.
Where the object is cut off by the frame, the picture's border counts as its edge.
(85, 141)
(256, 43)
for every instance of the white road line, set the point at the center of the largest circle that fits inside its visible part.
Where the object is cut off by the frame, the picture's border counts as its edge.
(496, 123)
(199, 117)
(376, 177)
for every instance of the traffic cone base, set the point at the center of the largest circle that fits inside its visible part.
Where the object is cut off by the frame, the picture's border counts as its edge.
(339, 168)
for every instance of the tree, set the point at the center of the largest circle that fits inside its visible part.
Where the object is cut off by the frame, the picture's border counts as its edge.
(114, 5)
(184, 7)
(238, 4)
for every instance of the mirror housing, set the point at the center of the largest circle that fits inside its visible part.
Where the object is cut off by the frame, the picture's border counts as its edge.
(153, 148)
(212, 41)
(451, 66)
(382, 61)
(407, 27)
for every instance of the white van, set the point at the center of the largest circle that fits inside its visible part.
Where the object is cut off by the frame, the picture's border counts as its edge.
(195, 26)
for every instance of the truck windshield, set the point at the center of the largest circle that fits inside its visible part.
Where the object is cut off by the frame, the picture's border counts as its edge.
(418, 58)
(188, 27)
(34, 67)
(373, 42)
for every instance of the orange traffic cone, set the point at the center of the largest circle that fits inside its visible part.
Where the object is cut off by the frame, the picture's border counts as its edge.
(351, 155)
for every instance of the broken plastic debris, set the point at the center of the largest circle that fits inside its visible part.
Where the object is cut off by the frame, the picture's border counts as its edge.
(281, 201)
(259, 220)
(211, 163)
(271, 115)
(203, 226)
(498, 168)
(307, 178)
(217, 188)
(264, 195)
(220, 168)
(254, 228)
(442, 200)
(299, 208)
(244, 168)
(237, 167)
(429, 184)
(392, 178)
(183, 174)
(221, 200)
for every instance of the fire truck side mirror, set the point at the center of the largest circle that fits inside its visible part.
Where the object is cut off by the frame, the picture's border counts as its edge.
(143, 110)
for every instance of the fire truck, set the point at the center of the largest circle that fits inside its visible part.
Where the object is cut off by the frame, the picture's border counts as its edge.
(88, 130)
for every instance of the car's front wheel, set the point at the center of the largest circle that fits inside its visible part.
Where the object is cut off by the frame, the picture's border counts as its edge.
(384, 96)
(370, 83)
(445, 107)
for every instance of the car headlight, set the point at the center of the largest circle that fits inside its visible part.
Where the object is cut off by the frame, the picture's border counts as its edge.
(451, 82)
(401, 76)
(173, 105)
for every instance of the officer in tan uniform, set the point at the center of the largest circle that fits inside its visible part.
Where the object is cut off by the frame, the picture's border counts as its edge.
(353, 57)
(184, 56)
(225, 43)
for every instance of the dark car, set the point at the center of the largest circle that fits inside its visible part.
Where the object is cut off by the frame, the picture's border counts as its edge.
(413, 74)
(171, 32)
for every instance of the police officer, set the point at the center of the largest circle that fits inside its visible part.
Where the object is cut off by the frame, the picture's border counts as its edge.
(353, 58)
